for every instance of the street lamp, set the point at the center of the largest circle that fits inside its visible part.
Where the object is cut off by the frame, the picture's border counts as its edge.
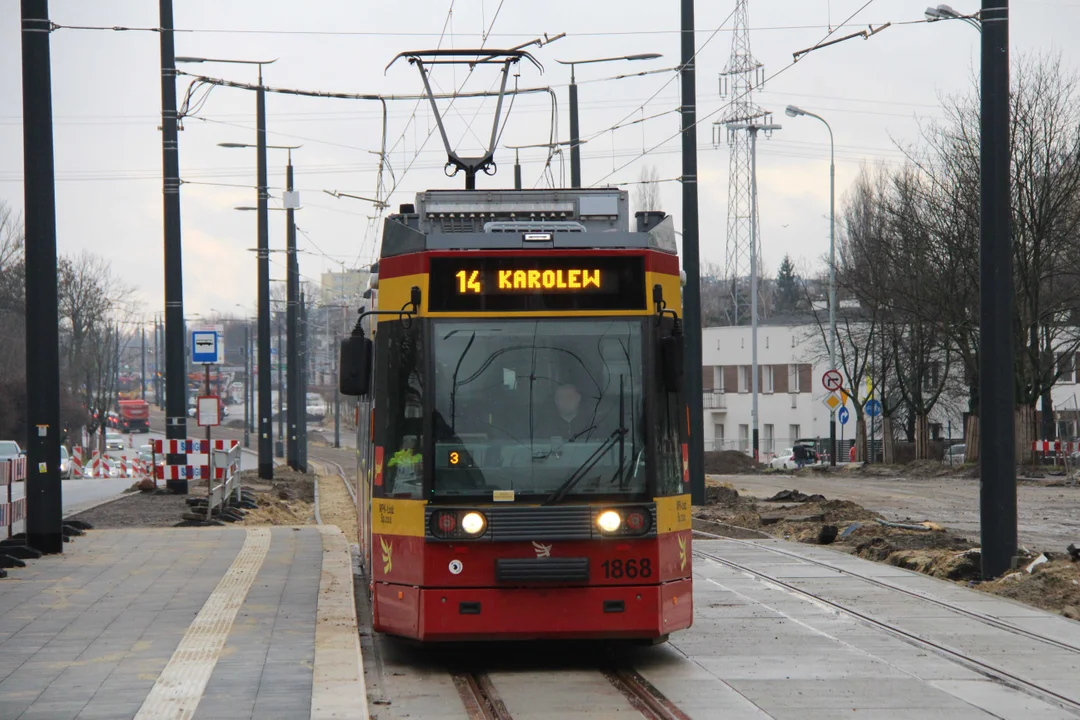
(944, 12)
(793, 111)
(575, 142)
(754, 130)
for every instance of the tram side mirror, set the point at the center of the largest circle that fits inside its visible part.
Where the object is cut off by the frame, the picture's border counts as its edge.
(355, 364)
(672, 354)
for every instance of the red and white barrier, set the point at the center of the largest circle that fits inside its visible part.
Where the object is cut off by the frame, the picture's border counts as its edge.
(77, 462)
(11, 512)
(1054, 446)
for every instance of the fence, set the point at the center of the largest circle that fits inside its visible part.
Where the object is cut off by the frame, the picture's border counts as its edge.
(216, 461)
(13, 511)
(769, 448)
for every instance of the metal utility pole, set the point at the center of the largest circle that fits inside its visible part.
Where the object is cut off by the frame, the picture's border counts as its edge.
(742, 75)
(301, 390)
(175, 362)
(279, 447)
(292, 291)
(691, 258)
(142, 336)
(44, 503)
(337, 398)
(752, 131)
(158, 400)
(247, 384)
(997, 403)
(266, 428)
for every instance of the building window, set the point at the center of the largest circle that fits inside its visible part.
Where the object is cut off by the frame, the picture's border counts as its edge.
(767, 378)
(744, 437)
(793, 379)
(744, 378)
(795, 432)
(1066, 370)
(718, 437)
(718, 379)
(770, 439)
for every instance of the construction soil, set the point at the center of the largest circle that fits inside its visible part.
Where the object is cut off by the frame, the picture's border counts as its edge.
(289, 499)
(1052, 585)
(730, 462)
(336, 505)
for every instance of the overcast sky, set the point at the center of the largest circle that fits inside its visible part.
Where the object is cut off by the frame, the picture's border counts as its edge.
(106, 104)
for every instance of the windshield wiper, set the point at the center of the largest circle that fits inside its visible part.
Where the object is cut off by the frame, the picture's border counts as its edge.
(585, 467)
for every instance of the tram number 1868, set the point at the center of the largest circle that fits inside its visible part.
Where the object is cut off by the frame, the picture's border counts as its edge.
(618, 569)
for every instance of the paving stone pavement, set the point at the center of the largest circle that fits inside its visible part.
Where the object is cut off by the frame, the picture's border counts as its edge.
(88, 633)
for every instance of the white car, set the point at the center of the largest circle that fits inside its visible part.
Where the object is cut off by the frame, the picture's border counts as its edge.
(114, 441)
(784, 460)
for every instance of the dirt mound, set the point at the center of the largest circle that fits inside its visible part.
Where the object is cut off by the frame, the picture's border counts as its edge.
(729, 462)
(795, 496)
(722, 495)
(1053, 586)
(287, 481)
(276, 511)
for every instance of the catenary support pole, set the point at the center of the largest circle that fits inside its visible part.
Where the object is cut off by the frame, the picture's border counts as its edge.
(247, 384)
(754, 259)
(266, 427)
(691, 258)
(337, 397)
(142, 374)
(175, 362)
(575, 139)
(997, 423)
(279, 446)
(44, 504)
(292, 289)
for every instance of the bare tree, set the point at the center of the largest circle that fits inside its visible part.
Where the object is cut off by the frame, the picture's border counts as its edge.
(647, 192)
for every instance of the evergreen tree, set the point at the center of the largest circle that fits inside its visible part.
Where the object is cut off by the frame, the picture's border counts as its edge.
(786, 294)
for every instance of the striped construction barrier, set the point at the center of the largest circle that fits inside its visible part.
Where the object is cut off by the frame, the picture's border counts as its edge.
(13, 511)
(77, 462)
(1054, 446)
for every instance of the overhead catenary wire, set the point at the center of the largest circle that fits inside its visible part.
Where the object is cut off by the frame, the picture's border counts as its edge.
(712, 114)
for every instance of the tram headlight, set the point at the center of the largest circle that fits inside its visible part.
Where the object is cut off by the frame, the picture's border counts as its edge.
(473, 523)
(609, 521)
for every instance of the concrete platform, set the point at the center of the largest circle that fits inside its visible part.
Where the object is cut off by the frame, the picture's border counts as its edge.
(213, 623)
(794, 639)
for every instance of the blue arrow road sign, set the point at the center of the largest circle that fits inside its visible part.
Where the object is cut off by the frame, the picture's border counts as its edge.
(843, 415)
(873, 408)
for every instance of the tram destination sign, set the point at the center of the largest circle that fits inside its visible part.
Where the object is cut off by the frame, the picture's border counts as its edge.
(508, 283)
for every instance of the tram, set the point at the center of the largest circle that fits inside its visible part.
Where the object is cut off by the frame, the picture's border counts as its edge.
(522, 433)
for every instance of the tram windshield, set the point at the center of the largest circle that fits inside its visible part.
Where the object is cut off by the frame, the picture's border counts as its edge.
(550, 408)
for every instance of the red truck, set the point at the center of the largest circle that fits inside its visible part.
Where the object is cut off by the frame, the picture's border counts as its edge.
(134, 416)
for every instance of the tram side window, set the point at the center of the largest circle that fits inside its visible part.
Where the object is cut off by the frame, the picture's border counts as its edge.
(670, 414)
(403, 398)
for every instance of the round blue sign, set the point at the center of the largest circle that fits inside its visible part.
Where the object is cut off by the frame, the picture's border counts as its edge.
(873, 408)
(843, 415)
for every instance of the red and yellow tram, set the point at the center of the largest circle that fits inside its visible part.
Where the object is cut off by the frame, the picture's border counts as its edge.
(522, 435)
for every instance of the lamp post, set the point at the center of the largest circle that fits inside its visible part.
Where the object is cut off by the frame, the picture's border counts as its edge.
(754, 260)
(266, 458)
(575, 141)
(793, 111)
(997, 401)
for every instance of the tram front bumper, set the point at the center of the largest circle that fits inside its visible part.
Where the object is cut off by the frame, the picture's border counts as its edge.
(599, 612)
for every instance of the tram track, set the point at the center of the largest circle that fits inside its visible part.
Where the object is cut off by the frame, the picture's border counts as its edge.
(973, 663)
(980, 617)
(643, 695)
(479, 696)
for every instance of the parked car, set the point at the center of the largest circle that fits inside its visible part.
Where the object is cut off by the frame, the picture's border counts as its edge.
(66, 469)
(114, 441)
(146, 455)
(9, 449)
(954, 454)
(784, 460)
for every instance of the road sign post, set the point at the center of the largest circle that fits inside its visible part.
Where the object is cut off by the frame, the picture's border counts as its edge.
(873, 409)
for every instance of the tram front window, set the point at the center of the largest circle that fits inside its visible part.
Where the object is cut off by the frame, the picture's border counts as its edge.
(529, 405)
